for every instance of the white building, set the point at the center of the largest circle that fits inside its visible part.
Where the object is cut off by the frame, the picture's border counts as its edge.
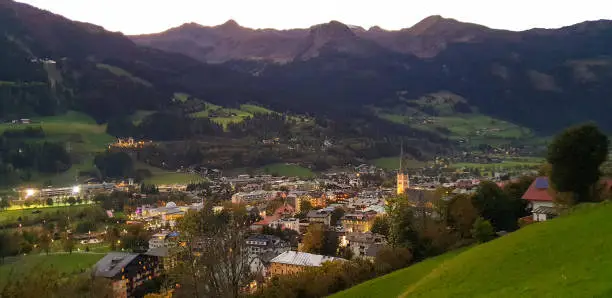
(163, 239)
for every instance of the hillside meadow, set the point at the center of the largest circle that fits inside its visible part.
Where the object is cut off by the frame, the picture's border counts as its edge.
(570, 256)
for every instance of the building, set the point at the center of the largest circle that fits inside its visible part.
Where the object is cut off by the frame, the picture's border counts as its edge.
(365, 245)
(260, 244)
(540, 200)
(127, 271)
(403, 183)
(360, 222)
(286, 224)
(253, 196)
(163, 239)
(319, 216)
(291, 262)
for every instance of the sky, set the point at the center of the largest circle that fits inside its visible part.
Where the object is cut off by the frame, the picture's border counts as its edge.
(151, 16)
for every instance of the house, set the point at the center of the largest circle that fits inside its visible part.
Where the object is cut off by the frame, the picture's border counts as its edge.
(252, 197)
(365, 245)
(260, 244)
(291, 262)
(319, 216)
(128, 271)
(540, 200)
(357, 222)
(163, 239)
(286, 224)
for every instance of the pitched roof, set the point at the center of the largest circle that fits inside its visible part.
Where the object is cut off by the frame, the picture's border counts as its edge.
(538, 191)
(303, 259)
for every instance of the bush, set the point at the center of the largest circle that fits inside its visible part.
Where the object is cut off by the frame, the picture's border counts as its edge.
(483, 230)
(392, 258)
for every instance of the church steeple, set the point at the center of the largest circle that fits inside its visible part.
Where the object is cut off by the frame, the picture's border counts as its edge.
(402, 177)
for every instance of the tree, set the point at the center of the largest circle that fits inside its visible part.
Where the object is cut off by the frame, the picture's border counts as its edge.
(68, 243)
(482, 230)
(71, 201)
(49, 202)
(336, 215)
(392, 258)
(401, 230)
(4, 203)
(214, 262)
(494, 205)
(575, 157)
(44, 241)
(136, 239)
(381, 226)
(462, 214)
(314, 239)
(112, 236)
(305, 206)
(114, 164)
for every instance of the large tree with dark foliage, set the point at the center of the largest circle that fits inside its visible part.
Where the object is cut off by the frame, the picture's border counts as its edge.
(575, 156)
(496, 206)
(114, 164)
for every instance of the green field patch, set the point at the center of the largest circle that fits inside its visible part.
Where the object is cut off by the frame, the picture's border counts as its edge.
(64, 263)
(395, 283)
(81, 135)
(569, 256)
(505, 164)
(392, 163)
(140, 115)
(181, 97)
(254, 109)
(123, 73)
(13, 214)
(289, 170)
(163, 177)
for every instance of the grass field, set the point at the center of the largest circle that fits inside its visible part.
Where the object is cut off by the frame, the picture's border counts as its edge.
(505, 164)
(474, 128)
(140, 115)
(392, 163)
(12, 215)
(82, 136)
(161, 176)
(224, 116)
(395, 283)
(123, 73)
(570, 256)
(64, 263)
(288, 170)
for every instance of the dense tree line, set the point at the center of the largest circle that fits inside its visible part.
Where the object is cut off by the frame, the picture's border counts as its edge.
(19, 158)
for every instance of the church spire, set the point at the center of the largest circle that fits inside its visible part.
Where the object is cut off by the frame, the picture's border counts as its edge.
(401, 155)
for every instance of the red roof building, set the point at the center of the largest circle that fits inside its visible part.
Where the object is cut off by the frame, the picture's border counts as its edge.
(538, 191)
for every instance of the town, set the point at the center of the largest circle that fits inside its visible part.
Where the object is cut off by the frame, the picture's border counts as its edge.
(142, 222)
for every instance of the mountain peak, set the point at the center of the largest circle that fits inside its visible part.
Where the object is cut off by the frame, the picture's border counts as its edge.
(376, 29)
(333, 29)
(230, 24)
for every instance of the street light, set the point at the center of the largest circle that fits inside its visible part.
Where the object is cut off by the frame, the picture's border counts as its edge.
(30, 192)
(76, 189)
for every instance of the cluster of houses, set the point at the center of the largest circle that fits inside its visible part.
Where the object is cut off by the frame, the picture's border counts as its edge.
(272, 256)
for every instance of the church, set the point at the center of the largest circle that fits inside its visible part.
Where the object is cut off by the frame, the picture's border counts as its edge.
(402, 176)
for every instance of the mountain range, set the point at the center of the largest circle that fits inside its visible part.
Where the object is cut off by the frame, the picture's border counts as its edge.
(542, 79)
(230, 41)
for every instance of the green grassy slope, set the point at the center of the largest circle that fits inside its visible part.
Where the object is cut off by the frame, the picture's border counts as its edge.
(567, 257)
(64, 263)
(394, 284)
(281, 169)
(81, 135)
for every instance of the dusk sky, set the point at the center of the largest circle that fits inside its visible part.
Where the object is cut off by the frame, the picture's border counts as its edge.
(149, 16)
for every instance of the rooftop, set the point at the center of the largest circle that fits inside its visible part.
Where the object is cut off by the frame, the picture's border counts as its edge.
(111, 264)
(303, 259)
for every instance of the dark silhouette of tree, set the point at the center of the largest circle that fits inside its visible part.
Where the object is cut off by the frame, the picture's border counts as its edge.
(575, 156)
